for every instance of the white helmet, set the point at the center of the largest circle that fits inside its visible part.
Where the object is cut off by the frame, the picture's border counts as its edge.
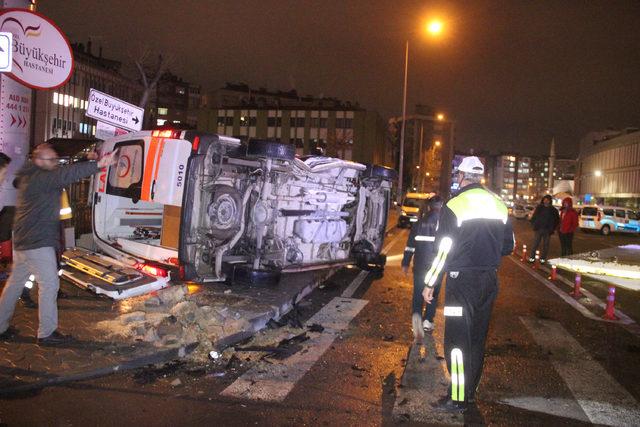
(471, 164)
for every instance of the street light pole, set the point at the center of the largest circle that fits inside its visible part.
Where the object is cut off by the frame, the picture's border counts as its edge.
(404, 122)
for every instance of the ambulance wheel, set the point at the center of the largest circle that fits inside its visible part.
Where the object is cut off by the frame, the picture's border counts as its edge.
(271, 149)
(378, 171)
(244, 274)
(605, 230)
(368, 261)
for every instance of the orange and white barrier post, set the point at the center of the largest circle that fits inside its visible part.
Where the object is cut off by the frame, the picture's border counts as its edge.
(524, 253)
(610, 311)
(577, 293)
(536, 262)
(554, 273)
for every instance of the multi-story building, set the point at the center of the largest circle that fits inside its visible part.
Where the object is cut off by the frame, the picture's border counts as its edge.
(175, 102)
(340, 129)
(60, 113)
(608, 170)
(563, 170)
(510, 177)
(428, 150)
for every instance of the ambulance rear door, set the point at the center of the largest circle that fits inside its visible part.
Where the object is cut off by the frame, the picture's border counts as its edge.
(165, 171)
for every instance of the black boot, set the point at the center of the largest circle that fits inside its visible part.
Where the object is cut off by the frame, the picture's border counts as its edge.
(26, 299)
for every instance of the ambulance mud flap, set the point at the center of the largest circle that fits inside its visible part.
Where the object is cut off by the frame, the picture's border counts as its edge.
(107, 276)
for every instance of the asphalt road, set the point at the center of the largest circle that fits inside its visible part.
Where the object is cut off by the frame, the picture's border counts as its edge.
(584, 241)
(546, 364)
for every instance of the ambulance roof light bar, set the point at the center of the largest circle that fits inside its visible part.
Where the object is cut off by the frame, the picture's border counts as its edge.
(166, 133)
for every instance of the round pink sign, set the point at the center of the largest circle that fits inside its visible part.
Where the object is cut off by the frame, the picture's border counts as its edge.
(42, 57)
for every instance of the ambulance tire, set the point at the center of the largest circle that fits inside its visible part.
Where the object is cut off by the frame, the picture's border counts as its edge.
(378, 171)
(271, 149)
(244, 274)
(369, 261)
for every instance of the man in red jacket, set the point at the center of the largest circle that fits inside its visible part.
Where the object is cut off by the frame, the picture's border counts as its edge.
(568, 224)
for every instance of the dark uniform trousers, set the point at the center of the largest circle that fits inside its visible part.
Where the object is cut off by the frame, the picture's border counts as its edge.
(468, 304)
(418, 299)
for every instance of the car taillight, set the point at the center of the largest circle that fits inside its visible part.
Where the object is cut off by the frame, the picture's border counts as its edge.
(196, 143)
(152, 270)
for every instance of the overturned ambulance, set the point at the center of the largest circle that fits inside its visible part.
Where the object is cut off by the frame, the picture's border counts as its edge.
(205, 207)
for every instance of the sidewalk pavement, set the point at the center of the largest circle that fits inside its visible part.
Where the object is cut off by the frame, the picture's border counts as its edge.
(112, 336)
(179, 321)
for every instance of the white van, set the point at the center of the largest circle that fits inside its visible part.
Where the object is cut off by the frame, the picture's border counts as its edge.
(607, 219)
(209, 208)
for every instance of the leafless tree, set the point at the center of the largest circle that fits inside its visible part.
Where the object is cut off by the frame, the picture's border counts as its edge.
(150, 73)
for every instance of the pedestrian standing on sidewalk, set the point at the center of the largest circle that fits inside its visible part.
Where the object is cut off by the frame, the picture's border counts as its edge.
(568, 225)
(474, 233)
(420, 247)
(545, 220)
(4, 165)
(36, 237)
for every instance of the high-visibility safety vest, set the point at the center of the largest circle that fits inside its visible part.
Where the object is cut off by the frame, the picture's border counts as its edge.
(474, 232)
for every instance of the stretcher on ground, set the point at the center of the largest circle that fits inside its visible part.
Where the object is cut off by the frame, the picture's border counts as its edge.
(107, 276)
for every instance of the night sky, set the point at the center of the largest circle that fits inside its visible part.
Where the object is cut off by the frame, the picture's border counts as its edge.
(512, 74)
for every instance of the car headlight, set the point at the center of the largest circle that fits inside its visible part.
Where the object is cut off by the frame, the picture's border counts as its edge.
(403, 213)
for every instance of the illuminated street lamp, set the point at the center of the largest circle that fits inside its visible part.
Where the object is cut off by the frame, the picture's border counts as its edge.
(437, 143)
(440, 117)
(434, 28)
(598, 173)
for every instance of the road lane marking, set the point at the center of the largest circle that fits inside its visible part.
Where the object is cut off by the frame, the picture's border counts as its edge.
(392, 242)
(565, 408)
(602, 399)
(624, 320)
(353, 287)
(274, 381)
(566, 297)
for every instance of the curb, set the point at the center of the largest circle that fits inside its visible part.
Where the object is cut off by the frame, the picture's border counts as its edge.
(148, 359)
(166, 355)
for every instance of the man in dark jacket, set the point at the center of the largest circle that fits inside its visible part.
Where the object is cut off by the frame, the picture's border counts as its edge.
(474, 233)
(420, 248)
(545, 220)
(36, 237)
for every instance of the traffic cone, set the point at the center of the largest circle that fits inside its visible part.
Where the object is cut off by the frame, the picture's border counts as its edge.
(610, 311)
(536, 262)
(524, 253)
(576, 288)
(554, 273)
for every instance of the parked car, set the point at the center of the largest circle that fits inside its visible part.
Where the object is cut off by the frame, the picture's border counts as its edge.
(523, 211)
(216, 209)
(607, 219)
(412, 205)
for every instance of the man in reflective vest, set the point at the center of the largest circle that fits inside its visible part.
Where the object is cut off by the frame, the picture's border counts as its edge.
(473, 234)
(420, 247)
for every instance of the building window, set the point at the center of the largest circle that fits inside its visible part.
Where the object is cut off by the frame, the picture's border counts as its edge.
(274, 121)
(323, 122)
(348, 123)
(163, 111)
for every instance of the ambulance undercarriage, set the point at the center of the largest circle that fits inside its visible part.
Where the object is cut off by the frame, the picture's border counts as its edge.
(214, 209)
